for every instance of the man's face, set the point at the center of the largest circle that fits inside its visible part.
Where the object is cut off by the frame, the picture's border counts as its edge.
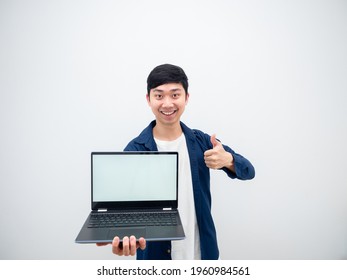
(168, 102)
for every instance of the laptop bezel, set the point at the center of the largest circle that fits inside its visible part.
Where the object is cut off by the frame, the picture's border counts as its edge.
(134, 205)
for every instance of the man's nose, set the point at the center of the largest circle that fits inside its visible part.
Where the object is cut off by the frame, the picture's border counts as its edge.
(167, 102)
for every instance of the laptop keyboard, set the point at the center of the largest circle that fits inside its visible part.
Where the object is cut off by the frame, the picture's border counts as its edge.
(101, 220)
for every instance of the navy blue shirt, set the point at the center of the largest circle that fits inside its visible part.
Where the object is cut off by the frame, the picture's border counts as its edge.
(197, 143)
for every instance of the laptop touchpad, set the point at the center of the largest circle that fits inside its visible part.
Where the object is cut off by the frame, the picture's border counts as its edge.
(127, 231)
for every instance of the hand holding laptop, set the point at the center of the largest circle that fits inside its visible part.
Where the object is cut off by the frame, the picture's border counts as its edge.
(126, 247)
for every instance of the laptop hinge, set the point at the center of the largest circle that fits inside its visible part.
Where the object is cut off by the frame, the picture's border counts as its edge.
(167, 208)
(102, 210)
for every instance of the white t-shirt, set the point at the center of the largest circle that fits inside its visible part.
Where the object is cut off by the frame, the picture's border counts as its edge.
(189, 248)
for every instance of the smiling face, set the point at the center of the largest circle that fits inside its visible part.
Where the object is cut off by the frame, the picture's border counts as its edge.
(168, 102)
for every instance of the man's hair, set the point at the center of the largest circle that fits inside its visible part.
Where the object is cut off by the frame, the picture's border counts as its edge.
(167, 73)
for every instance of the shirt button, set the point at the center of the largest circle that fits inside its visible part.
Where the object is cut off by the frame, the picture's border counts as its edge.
(168, 251)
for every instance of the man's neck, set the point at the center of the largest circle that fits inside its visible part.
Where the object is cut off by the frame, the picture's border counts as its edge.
(167, 132)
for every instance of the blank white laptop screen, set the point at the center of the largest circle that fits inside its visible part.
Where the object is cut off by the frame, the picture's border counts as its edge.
(119, 177)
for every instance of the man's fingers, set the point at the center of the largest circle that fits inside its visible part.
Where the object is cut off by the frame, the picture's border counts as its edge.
(115, 245)
(142, 243)
(211, 165)
(210, 157)
(132, 245)
(128, 246)
(209, 153)
(126, 249)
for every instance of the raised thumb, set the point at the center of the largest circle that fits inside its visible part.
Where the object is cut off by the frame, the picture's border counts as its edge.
(214, 140)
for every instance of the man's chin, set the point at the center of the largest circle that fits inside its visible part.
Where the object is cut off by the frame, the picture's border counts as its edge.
(167, 122)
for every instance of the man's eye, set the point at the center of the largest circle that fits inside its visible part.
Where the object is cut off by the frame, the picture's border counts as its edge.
(158, 96)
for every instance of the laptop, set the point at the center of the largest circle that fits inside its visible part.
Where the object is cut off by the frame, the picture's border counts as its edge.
(133, 193)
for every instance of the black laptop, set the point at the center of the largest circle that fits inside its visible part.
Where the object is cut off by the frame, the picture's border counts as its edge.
(133, 193)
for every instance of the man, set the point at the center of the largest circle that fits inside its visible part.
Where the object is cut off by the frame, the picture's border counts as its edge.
(167, 96)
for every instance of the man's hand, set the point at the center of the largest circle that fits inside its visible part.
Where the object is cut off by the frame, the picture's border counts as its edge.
(126, 248)
(217, 157)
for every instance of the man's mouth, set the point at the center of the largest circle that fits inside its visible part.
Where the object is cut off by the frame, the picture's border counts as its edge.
(168, 113)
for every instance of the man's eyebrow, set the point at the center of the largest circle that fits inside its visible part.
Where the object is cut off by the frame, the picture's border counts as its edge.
(158, 90)
(176, 89)
(171, 90)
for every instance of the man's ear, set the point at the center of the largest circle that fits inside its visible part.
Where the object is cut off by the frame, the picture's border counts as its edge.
(147, 98)
(187, 98)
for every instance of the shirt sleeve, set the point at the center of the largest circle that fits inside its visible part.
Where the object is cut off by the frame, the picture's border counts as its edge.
(244, 170)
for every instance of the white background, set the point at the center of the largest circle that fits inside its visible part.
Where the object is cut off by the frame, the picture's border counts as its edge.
(268, 77)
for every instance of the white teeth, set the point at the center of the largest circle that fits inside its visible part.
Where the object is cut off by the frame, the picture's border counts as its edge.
(168, 113)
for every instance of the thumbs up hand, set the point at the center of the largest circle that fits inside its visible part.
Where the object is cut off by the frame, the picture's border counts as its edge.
(217, 157)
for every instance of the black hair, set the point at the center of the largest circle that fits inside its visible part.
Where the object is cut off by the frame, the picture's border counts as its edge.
(167, 73)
